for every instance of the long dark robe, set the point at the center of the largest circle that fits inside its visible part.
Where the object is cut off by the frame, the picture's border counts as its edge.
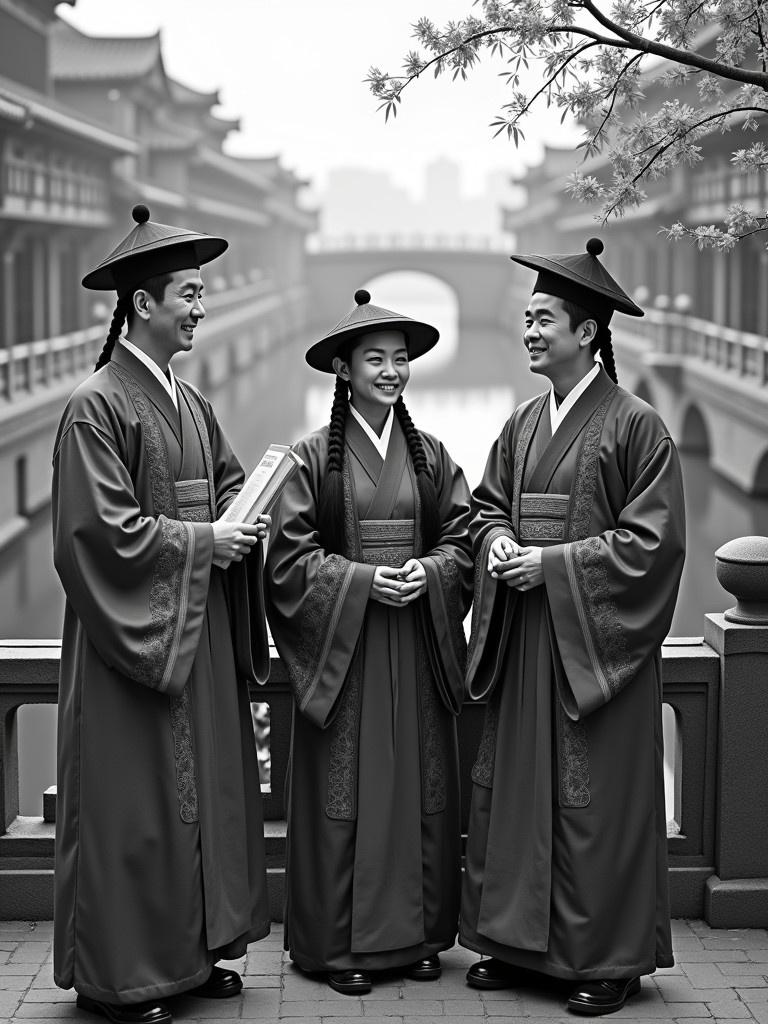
(566, 864)
(373, 872)
(160, 866)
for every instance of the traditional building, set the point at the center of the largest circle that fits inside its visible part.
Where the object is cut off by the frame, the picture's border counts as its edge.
(89, 126)
(55, 186)
(180, 169)
(726, 289)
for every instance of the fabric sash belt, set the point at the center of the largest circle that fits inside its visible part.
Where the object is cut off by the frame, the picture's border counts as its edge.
(542, 518)
(192, 500)
(387, 541)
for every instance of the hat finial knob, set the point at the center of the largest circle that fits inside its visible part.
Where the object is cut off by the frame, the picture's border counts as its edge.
(140, 213)
(362, 296)
(595, 246)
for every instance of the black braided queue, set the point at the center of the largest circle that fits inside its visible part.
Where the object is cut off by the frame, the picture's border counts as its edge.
(605, 347)
(430, 515)
(331, 503)
(115, 328)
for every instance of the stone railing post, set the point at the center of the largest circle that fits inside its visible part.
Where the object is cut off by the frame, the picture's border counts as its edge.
(738, 894)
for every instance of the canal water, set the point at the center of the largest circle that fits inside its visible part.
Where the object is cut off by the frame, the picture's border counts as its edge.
(462, 393)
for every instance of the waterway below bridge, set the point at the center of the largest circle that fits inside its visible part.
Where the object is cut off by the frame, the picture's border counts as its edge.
(463, 400)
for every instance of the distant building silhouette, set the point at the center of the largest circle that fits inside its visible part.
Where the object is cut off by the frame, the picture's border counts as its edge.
(357, 201)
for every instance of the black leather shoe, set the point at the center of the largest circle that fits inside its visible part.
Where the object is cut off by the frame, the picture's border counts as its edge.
(493, 973)
(127, 1013)
(428, 969)
(596, 997)
(221, 984)
(350, 983)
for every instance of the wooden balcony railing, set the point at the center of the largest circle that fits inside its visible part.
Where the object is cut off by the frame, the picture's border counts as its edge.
(737, 353)
(45, 186)
(715, 686)
(34, 365)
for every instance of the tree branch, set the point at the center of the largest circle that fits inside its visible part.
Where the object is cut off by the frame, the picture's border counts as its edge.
(673, 53)
(614, 93)
(662, 149)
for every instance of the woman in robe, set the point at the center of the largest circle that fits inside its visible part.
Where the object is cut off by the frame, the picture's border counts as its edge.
(369, 574)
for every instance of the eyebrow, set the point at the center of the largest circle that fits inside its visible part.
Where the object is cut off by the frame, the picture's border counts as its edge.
(380, 351)
(541, 312)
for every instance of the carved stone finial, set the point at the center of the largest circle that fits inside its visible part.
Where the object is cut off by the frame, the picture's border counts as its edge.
(741, 567)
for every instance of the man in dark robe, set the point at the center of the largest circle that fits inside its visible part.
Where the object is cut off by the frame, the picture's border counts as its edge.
(579, 541)
(160, 867)
(374, 835)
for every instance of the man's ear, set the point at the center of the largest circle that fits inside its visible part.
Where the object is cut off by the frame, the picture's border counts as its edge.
(340, 368)
(587, 332)
(141, 303)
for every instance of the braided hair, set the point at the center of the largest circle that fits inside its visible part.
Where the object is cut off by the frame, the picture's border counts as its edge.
(331, 501)
(124, 311)
(601, 342)
(430, 514)
(605, 347)
(115, 328)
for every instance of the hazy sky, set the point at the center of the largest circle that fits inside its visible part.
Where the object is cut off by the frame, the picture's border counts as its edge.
(293, 71)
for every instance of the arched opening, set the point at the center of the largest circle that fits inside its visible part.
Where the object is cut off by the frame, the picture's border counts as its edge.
(422, 297)
(760, 485)
(695, 436)
(644, 392)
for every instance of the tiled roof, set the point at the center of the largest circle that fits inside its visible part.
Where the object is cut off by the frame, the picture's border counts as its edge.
(78, 57)
(168, 137)
(23, 105)
(185, 95)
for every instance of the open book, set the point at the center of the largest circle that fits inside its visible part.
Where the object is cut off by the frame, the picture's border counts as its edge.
(260, 490)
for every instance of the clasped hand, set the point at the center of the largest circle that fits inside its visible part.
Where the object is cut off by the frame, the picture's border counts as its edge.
(231, 541)
(518, 567)
(398, 587)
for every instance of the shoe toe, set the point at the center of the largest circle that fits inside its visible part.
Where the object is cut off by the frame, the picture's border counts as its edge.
(598, 997)
(428, 969)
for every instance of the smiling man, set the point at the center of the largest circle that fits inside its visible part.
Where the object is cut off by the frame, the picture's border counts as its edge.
(160, 868)
(579, 539)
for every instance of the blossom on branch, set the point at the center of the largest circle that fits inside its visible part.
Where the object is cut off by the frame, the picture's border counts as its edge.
(591, 65)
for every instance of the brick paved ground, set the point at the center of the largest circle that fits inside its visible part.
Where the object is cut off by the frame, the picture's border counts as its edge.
(720, 976)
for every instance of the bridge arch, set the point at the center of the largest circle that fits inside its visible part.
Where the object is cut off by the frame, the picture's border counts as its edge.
(695, 434)
(760, 479)
(642, 390)
(481, 280)
(423, 296)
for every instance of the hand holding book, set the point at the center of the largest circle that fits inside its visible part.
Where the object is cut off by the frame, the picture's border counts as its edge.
(247, 515)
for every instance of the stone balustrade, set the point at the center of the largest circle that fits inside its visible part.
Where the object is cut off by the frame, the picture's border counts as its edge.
(715, 687)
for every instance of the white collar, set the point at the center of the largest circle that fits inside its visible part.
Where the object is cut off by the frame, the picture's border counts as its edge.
(557, 414)
(381, 444)
(154, 369)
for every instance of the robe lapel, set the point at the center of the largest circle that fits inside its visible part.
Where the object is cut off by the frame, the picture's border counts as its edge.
(196, 440)
(151, 386)
(540, 475)
(362, 449)
(383, 503)
(385, 474)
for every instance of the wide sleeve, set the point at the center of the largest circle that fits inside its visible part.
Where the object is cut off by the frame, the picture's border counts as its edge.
(316, 602)
(245, 579)
(137, 583)
(494, 601)
(612, 595)
(448, 566)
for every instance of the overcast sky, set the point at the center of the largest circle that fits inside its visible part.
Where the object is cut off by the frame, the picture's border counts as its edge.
(293, 71)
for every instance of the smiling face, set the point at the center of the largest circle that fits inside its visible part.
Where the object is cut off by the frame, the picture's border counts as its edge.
(377, 372)
(168, 324)
(555, 349)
